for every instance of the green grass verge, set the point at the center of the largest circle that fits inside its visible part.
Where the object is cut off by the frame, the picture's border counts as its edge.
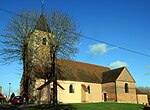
(89, 106)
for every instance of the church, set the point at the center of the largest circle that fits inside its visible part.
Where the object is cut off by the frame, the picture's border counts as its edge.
(78, 81)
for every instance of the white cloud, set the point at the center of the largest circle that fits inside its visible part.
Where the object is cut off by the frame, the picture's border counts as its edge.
(98, 49)
(117, 64)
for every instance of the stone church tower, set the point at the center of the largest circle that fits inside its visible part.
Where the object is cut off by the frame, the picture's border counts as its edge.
(39, 41)
(38, 55)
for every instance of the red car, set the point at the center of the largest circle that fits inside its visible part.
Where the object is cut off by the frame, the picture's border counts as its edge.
(17, 100)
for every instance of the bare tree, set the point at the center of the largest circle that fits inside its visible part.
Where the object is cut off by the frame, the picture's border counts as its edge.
(15, 41)
(64, 40)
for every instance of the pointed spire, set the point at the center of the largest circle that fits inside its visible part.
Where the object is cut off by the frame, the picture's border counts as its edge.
(41, 23)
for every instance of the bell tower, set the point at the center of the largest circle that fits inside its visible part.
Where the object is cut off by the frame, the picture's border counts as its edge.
(40, 40)
(38, 52)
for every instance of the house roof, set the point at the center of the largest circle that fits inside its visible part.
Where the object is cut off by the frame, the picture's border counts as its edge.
(41, 24)
(112, 75)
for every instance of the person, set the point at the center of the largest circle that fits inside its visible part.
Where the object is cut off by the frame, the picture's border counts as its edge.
(11, 97)
(25, 96)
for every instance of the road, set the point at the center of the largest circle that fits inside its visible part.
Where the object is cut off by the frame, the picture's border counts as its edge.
(12, 107)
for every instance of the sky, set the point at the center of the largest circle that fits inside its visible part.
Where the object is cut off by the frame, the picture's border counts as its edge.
(124, 23)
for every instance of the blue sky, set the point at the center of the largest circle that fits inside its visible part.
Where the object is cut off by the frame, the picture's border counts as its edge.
(124, 23)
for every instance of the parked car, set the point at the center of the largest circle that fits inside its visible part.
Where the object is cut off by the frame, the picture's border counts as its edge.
(17, 100)
(2, 98)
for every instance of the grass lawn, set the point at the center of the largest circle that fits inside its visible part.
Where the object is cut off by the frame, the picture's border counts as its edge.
(89, 106)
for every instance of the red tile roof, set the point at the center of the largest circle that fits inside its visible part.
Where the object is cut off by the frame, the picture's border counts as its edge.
(112, 75)
(84, 87)
(78, 71)
(83, 72)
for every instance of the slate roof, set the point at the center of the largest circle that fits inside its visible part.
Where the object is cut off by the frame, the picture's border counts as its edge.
(112, 75)
(41, 24)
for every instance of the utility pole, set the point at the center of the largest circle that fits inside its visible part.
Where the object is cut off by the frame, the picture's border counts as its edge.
(9, 90)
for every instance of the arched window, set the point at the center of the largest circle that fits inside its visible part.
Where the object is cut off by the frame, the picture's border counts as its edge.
(126, 88)
(89, 89)
(71, 88)
(44, 41)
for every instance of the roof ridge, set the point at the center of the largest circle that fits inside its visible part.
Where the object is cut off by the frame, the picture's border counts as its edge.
(119, 68)
(115, 69)
(84, 63)
(111, 75)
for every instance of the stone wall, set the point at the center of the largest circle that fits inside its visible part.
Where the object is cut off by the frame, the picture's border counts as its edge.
(109, 89)
(79, 94)
(142, 99)
(38, 51)
(64, 96)
(130, 96)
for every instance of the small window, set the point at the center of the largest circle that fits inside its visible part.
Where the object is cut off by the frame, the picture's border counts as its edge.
(44, 41)
(71, 88)
(89, 89)
(126, 88)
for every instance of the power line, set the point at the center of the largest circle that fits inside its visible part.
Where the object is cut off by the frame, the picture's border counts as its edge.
(7, 11)
(90, 38)
(122, 48)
